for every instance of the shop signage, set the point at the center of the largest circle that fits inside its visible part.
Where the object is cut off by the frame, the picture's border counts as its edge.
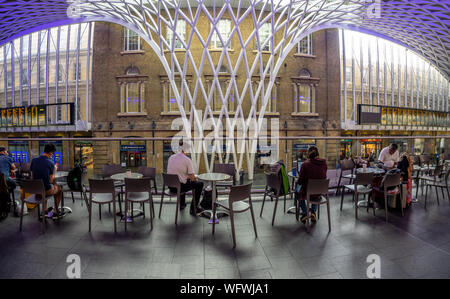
(132, 148)
(301, 146)
(370, 140)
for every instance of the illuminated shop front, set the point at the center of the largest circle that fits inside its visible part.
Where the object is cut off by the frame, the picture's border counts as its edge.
(133, 153)
(19, 151)
(370, 147)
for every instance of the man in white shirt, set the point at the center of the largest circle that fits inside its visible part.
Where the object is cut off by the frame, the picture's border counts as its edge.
(181, 165)
(389, 156)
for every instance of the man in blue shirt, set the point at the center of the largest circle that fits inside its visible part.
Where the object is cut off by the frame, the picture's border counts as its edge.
(6, 167)
(42, 168)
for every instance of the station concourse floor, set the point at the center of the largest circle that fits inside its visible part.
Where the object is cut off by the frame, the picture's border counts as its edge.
(414, 246)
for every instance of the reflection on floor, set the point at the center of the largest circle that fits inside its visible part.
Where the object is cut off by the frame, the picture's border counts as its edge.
(413, 246)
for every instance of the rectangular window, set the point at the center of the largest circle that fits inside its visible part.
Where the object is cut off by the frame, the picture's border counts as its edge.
(25, 77)
(180, 36)
(132, 41)
(170, 103)
(41, 74)
(305, 45)
(60, 73)
(76, 72)
(264, 35)
(271, 106)
(224, 29)
(132, 98)
(8, 79)
(217, 99)
(304, 98)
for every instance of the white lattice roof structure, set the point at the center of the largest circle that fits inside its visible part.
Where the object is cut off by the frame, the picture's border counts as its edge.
(421, 25)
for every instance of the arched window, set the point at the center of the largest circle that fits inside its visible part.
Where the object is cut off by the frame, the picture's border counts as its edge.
(305, 73)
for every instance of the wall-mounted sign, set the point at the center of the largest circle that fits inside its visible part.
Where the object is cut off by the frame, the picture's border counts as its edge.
(132, 148)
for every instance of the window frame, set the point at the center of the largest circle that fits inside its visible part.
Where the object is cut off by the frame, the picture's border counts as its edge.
(179, 33)
(126, 40)
(215, 38)
(309, 47)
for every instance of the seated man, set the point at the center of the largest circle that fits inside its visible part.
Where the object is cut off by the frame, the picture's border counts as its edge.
(181, 165)
(389, 156)
(313, 168)
(7, 167)
(42, 168)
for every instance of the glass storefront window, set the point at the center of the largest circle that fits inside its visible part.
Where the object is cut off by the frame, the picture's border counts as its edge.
(19, 151)
(133, 153)
(84, 154)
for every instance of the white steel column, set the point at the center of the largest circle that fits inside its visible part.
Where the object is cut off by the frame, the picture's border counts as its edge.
(5, 76)
(38, 69)
(88, 64)
(344, 71)
(21, 72)
(77, 65)
(13, 85)
(30, 41)
(58, 40)
(46, 70)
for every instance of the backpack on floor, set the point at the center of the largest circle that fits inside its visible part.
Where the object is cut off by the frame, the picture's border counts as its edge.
(206, 202)
(74, 178)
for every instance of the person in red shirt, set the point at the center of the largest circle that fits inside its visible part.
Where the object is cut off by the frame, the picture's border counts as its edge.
(313, 168)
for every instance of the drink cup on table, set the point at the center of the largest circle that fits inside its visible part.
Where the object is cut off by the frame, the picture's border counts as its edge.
(128, 173)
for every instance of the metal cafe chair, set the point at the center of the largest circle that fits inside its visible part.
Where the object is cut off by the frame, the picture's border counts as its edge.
(139, 191)
(438, 183)
(107, 171)
(391, 180)
(150, 173)
(172, 181)
(346, 165)
(360, 186)
(273, 188)
(35, 188)
(102, 192)
(236, 204)
(318, 187)
(226, 169)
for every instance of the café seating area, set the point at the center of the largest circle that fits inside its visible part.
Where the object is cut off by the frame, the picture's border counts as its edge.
(233, 241)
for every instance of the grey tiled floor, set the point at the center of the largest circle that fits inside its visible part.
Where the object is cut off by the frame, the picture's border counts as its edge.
(414, 246)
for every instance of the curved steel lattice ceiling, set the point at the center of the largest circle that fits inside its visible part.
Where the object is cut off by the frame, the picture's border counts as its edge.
(422, 25)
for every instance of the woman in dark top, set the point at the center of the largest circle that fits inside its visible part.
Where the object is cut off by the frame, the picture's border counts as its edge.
(313, 168)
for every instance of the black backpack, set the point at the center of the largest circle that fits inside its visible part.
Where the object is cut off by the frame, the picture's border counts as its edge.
(206, 202)
(74, 178)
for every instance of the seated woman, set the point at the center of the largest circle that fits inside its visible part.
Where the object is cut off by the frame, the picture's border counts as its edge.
(313, 168)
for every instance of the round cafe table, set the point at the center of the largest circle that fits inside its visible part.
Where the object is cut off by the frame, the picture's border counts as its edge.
(374, 170)
(121, 177)
(213, 177)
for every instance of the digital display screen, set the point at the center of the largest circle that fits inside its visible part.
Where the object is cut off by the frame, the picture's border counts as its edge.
(23, 116)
